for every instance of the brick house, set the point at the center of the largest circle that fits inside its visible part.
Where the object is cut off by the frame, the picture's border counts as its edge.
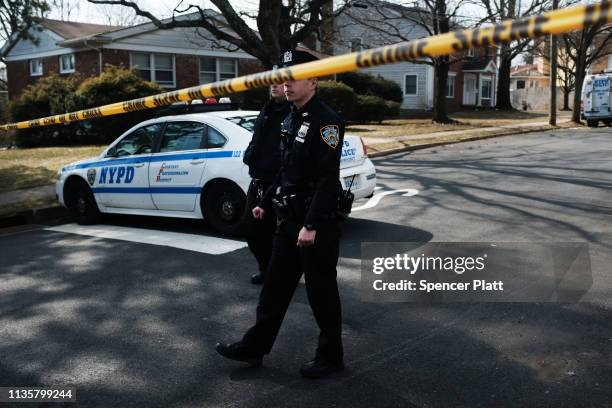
(472, 79)
(175, 58)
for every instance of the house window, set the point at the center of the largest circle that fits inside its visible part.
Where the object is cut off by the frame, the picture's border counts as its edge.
(217, 69)
(485, 90)
(410, 84)
(450, 86)
(155, 67)
(356, 45)
(66, 63)
(520, 84)
(36, 67)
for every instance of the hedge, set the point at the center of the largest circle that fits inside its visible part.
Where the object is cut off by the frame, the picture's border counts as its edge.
(340, 97)
(369, 109)
(366, 84)
(56, 94)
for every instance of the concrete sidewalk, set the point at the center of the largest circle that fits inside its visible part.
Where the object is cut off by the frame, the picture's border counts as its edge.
(370, 141)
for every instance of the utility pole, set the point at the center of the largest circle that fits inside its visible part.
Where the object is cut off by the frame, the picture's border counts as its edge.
(552, 116)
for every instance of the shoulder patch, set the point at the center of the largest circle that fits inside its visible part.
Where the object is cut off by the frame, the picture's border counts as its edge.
(331, 135)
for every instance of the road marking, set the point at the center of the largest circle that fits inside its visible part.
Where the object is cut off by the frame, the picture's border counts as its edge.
(191, 242)
(373, 202)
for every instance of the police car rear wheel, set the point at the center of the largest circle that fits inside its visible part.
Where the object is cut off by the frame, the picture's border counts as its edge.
(223, 208)
(82, 204)
(592, 123)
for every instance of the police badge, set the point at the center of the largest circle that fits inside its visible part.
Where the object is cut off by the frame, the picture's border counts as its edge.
(330, 135)
(302, 132)
(91, 176)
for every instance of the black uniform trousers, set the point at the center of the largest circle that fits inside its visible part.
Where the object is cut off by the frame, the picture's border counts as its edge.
(260, 233)
(318, 264)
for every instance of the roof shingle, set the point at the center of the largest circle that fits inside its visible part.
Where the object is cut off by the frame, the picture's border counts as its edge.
(69, 29)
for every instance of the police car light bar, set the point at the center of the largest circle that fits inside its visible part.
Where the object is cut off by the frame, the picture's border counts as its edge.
(552, 22)
(184, 109)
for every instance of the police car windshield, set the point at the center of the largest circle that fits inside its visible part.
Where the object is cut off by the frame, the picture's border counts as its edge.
(246, 122)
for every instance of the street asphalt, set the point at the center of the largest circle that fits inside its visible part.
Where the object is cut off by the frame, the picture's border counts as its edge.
(132, 324)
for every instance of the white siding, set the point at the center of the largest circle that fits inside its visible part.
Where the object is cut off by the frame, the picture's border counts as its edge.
(396, 72)
(347, 28)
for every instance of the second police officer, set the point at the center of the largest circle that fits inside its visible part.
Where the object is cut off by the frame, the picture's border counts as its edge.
(306, 241)
(263, 158)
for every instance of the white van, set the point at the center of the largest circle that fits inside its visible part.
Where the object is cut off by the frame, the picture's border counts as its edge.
(596, 99)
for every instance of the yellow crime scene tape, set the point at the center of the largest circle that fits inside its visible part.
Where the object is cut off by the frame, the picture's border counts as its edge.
(552, 22)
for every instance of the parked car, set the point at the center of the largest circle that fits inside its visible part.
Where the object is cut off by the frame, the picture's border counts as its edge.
(186, 166)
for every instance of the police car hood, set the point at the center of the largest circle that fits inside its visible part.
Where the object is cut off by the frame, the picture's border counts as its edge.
(352, 152)
(76, 163)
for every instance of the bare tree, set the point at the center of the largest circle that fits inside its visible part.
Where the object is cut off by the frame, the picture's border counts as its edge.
(118, 16)
(280, 24)
(18, 16)
(395, 22)
(566, 78)
(496, 12)
(65, 9)
(583, 48)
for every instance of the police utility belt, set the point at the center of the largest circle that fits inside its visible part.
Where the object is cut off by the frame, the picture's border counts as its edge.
(291, 204)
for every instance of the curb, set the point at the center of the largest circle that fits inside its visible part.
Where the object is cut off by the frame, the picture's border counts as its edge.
(450, 142)
(33, 216)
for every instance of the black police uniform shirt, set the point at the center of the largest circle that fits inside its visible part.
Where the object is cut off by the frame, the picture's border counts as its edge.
(313, 137)
(263, 153)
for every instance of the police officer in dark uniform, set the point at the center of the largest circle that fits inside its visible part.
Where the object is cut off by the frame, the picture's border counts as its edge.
(305, 196)
(263, 158)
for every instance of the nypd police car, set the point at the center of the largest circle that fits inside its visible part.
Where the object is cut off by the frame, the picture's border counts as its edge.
(187, 166)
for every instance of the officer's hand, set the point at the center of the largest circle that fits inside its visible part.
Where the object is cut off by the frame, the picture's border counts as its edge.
(259, 213)
(306, 237)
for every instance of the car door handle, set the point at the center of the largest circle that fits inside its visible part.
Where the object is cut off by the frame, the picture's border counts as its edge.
(139, 165)
(196, 162)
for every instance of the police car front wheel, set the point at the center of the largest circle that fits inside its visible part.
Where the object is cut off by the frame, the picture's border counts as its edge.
(81, 203)
(224, 207)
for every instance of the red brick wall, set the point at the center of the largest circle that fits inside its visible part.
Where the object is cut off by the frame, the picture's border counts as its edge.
(187, 70)
(454, 104)
(87, 63)
(18, 72)
(249, 66)
(116, 57)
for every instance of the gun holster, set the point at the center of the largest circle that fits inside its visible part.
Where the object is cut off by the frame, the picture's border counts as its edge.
(290, 206)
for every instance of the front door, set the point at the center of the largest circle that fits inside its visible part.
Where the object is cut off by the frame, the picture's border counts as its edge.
(469, 89)
(176, 170)
(122, 180)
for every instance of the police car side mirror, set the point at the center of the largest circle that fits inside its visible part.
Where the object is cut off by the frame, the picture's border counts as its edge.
(112, 152)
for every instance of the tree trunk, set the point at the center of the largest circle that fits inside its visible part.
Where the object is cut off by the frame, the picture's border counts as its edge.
(580, 73)
(566, 94)
(440, 109)
(503, 81)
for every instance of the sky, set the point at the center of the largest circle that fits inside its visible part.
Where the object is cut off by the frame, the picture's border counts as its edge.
(86, 12)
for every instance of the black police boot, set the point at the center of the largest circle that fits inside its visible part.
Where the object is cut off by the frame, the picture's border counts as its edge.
(257, 278)
(239, 352)
(320, 367)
